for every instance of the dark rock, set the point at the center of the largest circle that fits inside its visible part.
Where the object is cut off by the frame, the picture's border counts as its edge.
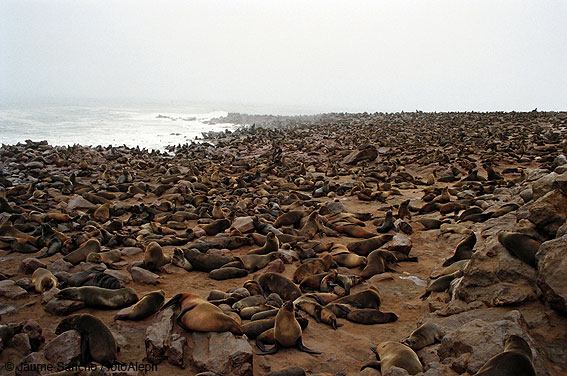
(62, 307)
(552, 263)
(65, 349)
(30, 264)
(222, 353)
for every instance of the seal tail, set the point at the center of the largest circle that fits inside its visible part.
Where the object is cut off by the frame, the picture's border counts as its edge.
(172, 302)
(424, 296)
(265, 351)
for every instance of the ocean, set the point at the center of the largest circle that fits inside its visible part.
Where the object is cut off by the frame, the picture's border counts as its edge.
(144, 126)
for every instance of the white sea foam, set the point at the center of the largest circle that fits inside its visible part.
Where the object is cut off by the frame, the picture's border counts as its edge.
(95, 125)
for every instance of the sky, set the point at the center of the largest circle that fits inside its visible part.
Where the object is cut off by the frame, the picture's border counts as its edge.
(323, 55)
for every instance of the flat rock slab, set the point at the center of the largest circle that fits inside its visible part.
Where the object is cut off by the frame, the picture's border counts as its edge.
(552, 263)
(11, 290)
(144, 276)
(157, 337)
(65, 349)
(62, 307)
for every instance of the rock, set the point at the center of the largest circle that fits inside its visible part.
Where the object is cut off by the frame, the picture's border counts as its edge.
(276, 266)
(543, 185)
(144, 276)
(199, 232)
(157, 336)
(336, 207)
(175, 350)
(65, 349)
(30, 264)
(562, 230)
(86, 266)
(11, 290)
(21, 343)
(548, 213)
(60, 265)
(122, 276)
(243, 224)
(32, 365)
(131, 251)
(369, 153)
(561, 182)
(400, 245)
(62, 307)
(34, 332)
(396, 371)
(288, 256)
(222, 353)
(560, 160)
(552, 263)
(79, 202)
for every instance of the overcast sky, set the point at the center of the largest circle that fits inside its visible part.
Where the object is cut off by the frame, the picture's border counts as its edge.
(327, 55)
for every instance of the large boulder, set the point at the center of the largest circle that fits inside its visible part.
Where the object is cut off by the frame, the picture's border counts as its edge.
(548, 212)
(222, 353)
(64, 350)
(367, 153)
(157, 337)
(552, 264)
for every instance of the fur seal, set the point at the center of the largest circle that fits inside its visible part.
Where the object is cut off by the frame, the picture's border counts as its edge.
(393, 354)
(463, 251)
(199, 315)
(349, 260)
(227, 273)
(253, 262)
(206, 262)
(370, 316)
(288, 371)
(272, 244)
(273, 282)
(146, 307)
(180, 261)
(321, 314)
(287, 332)
(97, 341)
(98, 297)
(388, 223)
(154, 258)
(105, 257)
(353, 230)
(369, 298)
(515, 360)
(459, 265)
(313, 266)
(291, 218)
(378, 263)
(427, 334)
(520, 245)
(441, 284)
(364, 247)
(216, 226)
(80, 254)
(43, 280)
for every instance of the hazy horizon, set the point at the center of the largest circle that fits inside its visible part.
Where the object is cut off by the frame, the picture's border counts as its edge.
(293, 56)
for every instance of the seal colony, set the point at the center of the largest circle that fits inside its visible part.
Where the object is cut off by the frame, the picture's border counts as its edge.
(338, 244)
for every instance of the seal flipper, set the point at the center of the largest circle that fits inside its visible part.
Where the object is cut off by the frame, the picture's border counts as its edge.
(424, 296)
(172, 302)
(265, 351)
(303, 348)
(85, 351)
(373, 364)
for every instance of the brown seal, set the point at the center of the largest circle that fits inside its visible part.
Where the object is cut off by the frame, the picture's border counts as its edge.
(393, 354)
(364, 247)
(154, 258)
(253, 262)
(291, 218)
(320, 313)
(272, 244)
(227, 273)
(98, 297)
(273, 282)
(463, 251)
(427, 334)
(180, 261)
(520, 245)
(313, 266)
(378, 263)
(105, 257)
(370, 316)
(43, 280)
(515, 360)
(353, 230)
(199, 315)
(441, 284)
(216, 226)
(81, 253)
(97, 342)
(349, 260)
(287, 332)
(146, 307)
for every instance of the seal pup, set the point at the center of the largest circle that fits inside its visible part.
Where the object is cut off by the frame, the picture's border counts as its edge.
(520, 245)
(515, 360)
(463, 251)
(427, 334)
(146, 307)
(441, 284)
(287, 332)
(370, 316)
(43, 280)
(349, 260)
(97, 341)
(180, 261)
(393, 354)
(321, 314)
(98, 297)
(154, 258)
(388, 223)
